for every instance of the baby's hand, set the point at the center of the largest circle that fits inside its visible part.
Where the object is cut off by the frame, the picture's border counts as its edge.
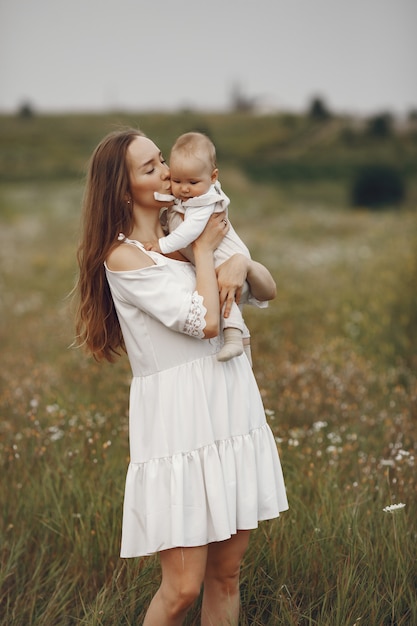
(152, 246)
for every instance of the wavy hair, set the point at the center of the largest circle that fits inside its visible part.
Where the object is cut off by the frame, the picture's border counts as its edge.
(105, 214)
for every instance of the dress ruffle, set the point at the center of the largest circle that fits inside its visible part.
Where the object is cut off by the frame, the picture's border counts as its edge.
(194, 498)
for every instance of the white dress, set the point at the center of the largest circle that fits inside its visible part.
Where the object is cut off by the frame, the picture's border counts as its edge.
(203, 461)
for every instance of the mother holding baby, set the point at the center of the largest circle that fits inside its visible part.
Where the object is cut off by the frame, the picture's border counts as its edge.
(204, 468)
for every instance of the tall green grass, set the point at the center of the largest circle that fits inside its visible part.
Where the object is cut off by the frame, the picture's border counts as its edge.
(335, 358)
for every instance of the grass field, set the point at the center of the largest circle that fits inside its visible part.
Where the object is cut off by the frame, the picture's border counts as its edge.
(335, 357)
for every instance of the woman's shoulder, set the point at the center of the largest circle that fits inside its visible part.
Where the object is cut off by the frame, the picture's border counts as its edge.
(126, 257)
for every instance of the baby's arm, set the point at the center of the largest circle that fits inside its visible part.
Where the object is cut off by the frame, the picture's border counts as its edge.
(195, 220)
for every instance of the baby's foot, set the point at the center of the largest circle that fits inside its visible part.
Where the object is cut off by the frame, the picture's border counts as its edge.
(233, 345)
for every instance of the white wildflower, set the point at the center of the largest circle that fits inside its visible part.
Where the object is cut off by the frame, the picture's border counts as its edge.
(403, 453)
(52, 408)
(55, 433)
(393, 507)
(387, 463)
(293, 442)
(334, 438)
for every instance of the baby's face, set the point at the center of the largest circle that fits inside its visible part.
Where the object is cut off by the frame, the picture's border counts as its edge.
(190, 177)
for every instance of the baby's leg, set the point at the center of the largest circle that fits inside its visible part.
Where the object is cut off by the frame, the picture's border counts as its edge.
(232, 333)
(233, 345)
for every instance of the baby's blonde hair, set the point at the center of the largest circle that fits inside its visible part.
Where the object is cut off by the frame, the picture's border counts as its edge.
(196, 145)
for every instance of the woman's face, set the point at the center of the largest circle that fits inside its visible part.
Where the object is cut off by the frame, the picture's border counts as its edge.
(148, 172)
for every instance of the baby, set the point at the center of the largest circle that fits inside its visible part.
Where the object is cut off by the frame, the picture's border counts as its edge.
(197, 194)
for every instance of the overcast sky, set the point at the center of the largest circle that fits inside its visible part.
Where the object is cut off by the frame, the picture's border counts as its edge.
(360, 56)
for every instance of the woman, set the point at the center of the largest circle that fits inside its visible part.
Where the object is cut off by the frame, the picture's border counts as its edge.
(203, 462)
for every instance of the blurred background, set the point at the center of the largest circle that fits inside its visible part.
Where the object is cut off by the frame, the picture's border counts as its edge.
(312, 106)
(101, 55)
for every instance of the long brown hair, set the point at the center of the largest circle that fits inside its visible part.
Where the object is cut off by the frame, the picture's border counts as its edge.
(106, 213)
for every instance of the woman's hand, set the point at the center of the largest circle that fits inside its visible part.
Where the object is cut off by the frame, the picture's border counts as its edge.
(231, 276)
(212, 235)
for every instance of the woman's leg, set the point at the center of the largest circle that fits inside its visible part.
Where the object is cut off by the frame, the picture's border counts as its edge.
(182, 576)
(221, 600)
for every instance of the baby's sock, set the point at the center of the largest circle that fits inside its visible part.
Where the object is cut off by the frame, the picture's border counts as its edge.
(233, 345)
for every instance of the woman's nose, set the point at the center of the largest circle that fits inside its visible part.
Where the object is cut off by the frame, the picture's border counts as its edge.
(165, 172)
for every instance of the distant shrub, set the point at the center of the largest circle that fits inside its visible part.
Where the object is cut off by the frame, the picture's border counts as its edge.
(380, 125)
(318, 110)
(25, 111)
(241, 102)
(376, 186)
(412, 115)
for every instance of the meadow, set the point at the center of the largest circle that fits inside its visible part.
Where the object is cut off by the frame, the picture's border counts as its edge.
(335, 356)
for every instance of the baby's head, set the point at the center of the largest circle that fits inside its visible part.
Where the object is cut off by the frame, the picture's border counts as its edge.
(193, 165)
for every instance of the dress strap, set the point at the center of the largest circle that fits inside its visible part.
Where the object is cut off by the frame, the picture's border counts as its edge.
(134, 242)
(121, 237)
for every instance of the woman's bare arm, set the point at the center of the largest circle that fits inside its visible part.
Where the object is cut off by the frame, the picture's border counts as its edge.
(206, 279)
(232, 274)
